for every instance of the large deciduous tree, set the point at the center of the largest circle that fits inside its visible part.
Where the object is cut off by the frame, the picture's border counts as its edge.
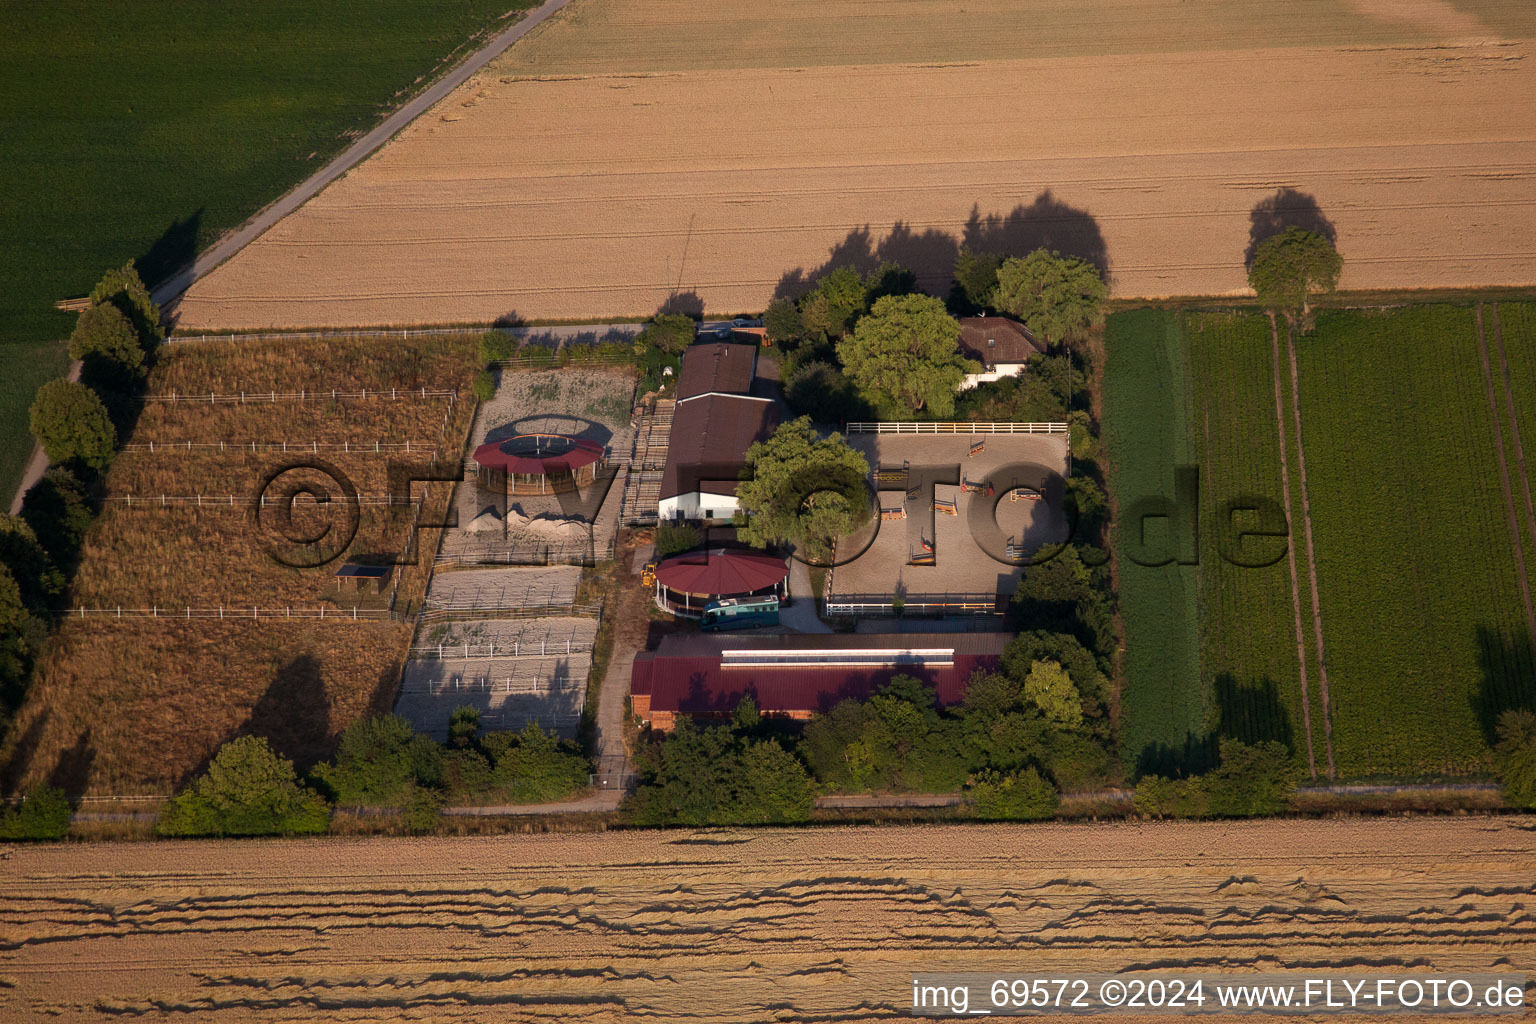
(248, 790)
(905, 354)
(72, 424)
(124, 289)
(1057, 297)
(1291, 267)
(668, 332)
(803, 489)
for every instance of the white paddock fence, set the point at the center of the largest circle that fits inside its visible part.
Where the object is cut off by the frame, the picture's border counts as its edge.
(492, 650)
(296, 447)
(954, 428)
(322, 395)
(319, 614)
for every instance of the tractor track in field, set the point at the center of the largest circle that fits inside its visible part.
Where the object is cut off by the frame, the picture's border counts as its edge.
(1306, 522)
(1514, 427)
(1290, 554)
(1498, 448)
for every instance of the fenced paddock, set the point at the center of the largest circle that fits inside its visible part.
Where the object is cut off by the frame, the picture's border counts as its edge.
(506, 587)
(508, 693)
(508, 638)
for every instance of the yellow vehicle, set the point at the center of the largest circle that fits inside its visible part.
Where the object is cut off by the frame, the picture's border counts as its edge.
(648, 574)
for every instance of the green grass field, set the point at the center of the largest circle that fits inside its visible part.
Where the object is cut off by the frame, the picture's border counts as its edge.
(146, 130)
(1146, 430)
(1423, 624)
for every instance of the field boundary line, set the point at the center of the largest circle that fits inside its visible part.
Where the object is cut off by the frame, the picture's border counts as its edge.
(1504, 482)
(1514, 428)
(1306, 520)
(1290, 552)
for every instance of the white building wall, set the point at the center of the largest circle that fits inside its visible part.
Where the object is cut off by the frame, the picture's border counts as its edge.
(695, 504)
(998, 372)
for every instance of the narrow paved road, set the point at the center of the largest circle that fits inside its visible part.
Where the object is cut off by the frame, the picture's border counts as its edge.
(354, 154)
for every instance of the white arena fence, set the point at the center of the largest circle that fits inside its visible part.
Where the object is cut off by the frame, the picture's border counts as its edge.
(954, 428)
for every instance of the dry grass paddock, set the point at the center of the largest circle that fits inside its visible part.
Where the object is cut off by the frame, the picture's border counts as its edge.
(629, 149)
(136, 705)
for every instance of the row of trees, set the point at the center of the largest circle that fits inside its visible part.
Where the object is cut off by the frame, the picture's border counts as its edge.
(1022, 733)
(872, 345)
(249, 789)
(77, 423)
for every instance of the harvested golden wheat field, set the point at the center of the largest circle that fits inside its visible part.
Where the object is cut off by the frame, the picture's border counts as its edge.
(629, 149)
(738, 926)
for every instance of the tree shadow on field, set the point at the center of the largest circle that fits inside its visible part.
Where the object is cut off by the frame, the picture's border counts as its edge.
(1252, 713)
(20, 758)
(174, 249)
(689, 304)
(294, 714)
(1287, 208)
(1247, 712)
(1508, 667)
(72, 771)
(1044, 223)
(1196, 755)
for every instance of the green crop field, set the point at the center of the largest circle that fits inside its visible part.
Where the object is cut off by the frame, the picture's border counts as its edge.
(1422, 616)
(1247, 619)
(1146, 429)
(1424, 628)
(146, 130)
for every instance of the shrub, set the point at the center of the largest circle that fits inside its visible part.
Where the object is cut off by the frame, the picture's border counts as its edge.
(248, 790)
(72, 424)
(41, 583)
(534, 766)
(674, 538)
(497, 346)
(1077, 762)
(378, 759)
(824, 393)
(1252, 779)
(1515, 757)
(43, 814)
(1021, 796)
(1050, 689)
(485, 385)
(668, 332)
(124, 289)
(59, 513)
(105, 340)
(1172, 798)
(423, 809)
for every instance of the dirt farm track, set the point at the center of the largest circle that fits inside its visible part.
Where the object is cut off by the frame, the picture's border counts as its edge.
(627, 149)
(737, 926)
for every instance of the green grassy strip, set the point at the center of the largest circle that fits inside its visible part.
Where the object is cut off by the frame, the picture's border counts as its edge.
(1163, 706)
